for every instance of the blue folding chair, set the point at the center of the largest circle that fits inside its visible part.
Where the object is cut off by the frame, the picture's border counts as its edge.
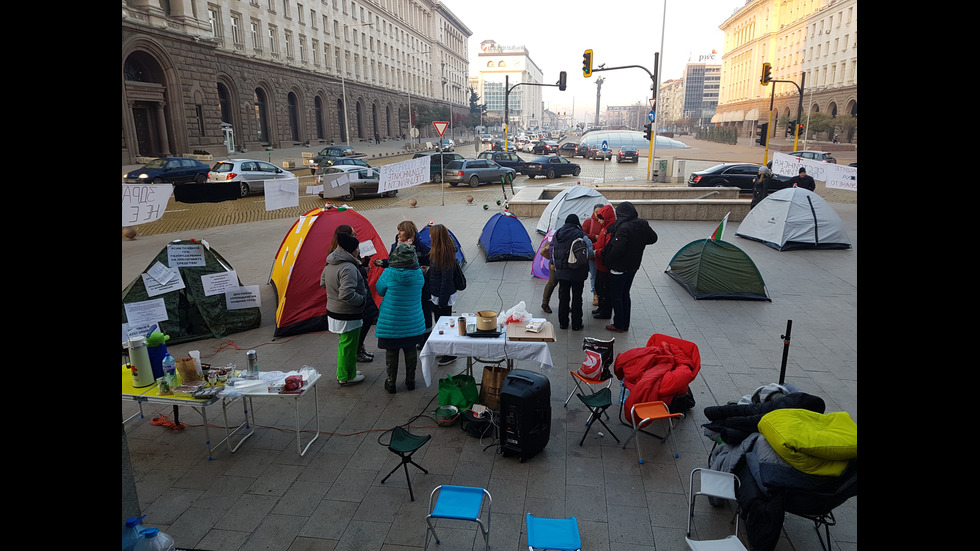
(458, 503)
(559, 534)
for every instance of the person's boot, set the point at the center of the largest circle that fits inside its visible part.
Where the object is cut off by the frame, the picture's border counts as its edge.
(391, 369)
(410, 364)
(364, 356)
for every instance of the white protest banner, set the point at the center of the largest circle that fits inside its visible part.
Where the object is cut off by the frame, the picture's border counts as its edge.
(404, 174)
(186, 254)
(833, 175)
(240, 298)
(219, 282)
(336, 185)
(147, 311)
(142, 203)
(280, 194)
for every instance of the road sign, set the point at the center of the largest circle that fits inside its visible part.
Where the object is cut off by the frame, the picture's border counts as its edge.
(651, 115)
(440, 126)
(414, 132)
(605, 145)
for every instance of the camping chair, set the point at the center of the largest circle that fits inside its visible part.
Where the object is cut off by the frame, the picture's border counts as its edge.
(597, 402)
(559, 534)
(719, 485)
(404, 444)
(645, 413)
(818, 505)
(580, 380)
(458, 503)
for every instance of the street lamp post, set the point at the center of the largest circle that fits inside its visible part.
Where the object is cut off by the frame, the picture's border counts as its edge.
(343, 87)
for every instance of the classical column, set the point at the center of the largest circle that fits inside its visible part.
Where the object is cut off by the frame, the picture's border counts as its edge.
(162, 130)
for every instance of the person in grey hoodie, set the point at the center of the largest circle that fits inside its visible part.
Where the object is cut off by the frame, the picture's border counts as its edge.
(347, 293)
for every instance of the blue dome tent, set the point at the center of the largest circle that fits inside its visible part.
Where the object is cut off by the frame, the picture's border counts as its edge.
(427, 239)
(504, 238)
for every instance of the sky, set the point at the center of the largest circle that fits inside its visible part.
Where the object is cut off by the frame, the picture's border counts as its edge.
(619, 33)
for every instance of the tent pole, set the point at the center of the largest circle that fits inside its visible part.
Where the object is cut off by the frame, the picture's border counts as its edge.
(786, 339)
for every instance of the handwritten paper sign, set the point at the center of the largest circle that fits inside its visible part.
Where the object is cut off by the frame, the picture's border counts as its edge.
(833, 175)
(280, 194)
(142, 203)
(404, 174)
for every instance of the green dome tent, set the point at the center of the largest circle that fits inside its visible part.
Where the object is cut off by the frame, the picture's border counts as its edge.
(714, 269)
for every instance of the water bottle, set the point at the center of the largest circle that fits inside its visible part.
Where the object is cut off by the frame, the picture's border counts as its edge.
(155, 540)
(170, 370)
(132, 533)
(253, 365)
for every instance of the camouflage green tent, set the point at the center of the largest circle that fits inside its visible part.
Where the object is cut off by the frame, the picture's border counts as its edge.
(191, 312)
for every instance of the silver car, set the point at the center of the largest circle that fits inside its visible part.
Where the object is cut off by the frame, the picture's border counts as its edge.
(363, 181)
(249, 174)
(475, 172)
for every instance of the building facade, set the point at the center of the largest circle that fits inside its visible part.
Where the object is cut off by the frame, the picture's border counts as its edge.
(701, 85)
(810, 43)
(225, 75)
(500, 66)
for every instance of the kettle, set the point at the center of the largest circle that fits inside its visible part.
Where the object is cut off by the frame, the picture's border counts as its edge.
(139, 358)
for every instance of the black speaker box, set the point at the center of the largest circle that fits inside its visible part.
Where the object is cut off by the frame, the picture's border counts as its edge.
(525, 413)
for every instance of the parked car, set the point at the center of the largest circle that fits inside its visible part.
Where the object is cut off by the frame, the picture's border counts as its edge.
(596, 152)
(551, 166)
(821, 156)
(363, 181)
(349, 161)
(545, 147)
(250, 174)
(437, 162)
(740, 175)
(568, 149)
(475, 172)
(329, 155)
(446, 144)
(628, 154)
(173, 170)
(508, 159)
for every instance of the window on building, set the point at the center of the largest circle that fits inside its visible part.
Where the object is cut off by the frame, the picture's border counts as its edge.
(236, 31)
(256, 44)
(215, 22)
(288, 39)
(273, 41)
(302, 48)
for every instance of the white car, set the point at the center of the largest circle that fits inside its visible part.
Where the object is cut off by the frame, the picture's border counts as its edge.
(250, 174)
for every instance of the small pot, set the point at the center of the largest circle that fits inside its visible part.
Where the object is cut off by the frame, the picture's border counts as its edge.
(486, 320)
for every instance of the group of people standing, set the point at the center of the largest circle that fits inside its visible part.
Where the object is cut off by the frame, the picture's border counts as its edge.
(416, 284)
(615, 240)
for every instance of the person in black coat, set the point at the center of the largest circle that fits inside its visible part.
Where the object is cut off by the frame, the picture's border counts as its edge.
(803, 181)
(622, 255)
(571, 279)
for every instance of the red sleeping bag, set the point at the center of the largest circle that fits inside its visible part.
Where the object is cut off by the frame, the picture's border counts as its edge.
(662, 370)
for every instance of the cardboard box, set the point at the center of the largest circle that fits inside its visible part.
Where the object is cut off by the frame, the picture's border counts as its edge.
(517, 332)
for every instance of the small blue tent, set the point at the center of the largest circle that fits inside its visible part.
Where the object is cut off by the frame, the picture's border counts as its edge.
(424, 236)
(504, 238)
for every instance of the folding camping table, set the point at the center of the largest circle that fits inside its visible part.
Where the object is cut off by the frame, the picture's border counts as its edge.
(263, 392)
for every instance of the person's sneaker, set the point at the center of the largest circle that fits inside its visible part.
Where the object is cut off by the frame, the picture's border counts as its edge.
(614, 329)
(358, 378)
(446, 360)
(545, 308)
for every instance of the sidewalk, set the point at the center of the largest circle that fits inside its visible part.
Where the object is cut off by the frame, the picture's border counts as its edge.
(266, 496)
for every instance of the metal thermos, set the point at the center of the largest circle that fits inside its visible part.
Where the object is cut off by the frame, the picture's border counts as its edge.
(461, 322)
(253, 365)
(139, 357)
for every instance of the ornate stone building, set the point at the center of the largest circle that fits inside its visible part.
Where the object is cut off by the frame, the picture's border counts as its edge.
(222, 74)
(815, 38)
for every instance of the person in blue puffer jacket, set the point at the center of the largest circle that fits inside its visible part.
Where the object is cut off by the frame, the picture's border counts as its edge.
(401, 323)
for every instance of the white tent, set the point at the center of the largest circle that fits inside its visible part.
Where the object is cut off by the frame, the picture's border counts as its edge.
(794, 218)
(578, 200)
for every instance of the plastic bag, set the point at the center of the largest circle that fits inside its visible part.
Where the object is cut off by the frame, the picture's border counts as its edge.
(517, 314)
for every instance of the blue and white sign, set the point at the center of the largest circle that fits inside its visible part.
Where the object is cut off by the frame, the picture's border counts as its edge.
(605, 145)
(651, 115)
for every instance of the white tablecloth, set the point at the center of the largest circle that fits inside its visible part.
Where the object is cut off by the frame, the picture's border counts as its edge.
(450, 343)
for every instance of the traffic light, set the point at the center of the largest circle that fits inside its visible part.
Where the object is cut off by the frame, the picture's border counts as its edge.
(766, 74)
(562, 80)
(762, 131)
(647, 130)
(587, 64)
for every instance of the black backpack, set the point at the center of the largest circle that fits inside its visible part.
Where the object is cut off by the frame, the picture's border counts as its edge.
(578, 254)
